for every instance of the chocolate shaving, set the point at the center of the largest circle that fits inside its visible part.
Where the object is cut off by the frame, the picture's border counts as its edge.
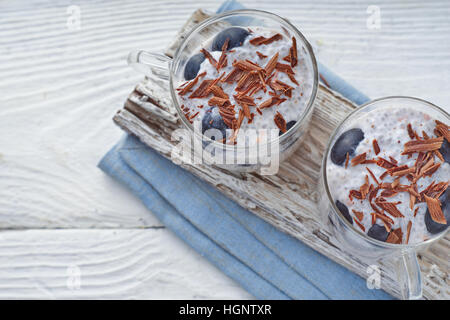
(389, 207)
(444, 131)
(257, 41)
(358, 159)
(408, 231)
(364, 189)
(376, 147)
(431, 170)
(395, 236)
(439, 155)
(216, 101)
(271, 64)
(393, 170)
(284, 68)
(246, 65)
(422, 145)
(236, 125)
(384, 174)
(280, 122)
(395, 162)
(372, 175)
(223, 57)
(292, 78)
(355, 194)
(203, 90)
(395, 183)
(191, 84)
(400, 173)
(385, 163)
(359, 215)
(271, 102)
(411, 132)
(434, 208)
(260, 55)
(233, 76)
(293, 53)
(359, 224)
(218, 92)
(384, 218)
(247, 80)
(347, 158)
(412, 201)
(246, 110)
(210, 58)
(194, 115)
(388, 193)
(241, 99)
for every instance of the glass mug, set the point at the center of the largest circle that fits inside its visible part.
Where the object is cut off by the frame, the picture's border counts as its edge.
(161, 67)
(354, 240)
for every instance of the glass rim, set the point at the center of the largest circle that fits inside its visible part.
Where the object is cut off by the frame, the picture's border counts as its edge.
(325, 181)
(309, 106)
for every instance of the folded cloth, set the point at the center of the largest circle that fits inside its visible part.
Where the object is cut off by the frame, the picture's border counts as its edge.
(266, 262)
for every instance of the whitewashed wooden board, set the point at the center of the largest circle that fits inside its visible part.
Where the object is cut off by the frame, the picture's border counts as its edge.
(53, 77)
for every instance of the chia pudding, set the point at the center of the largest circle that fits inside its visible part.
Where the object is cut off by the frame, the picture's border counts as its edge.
(246, 78)
(388, 174)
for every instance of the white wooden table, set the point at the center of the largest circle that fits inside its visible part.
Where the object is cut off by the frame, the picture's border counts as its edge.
(66, 229)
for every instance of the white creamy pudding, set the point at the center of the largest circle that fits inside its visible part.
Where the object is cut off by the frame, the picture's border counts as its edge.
(246, 78)
(388, 173)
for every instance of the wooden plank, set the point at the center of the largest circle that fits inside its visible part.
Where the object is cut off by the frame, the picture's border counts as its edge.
(296, 183)
(107, 264)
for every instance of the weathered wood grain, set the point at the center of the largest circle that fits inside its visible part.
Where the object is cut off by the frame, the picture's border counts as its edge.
(296, 183)
(107, 264)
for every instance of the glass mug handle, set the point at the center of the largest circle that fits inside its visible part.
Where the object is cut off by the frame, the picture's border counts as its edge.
(152, 64)
(409, 277)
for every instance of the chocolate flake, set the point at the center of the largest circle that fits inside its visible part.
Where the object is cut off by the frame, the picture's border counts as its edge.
(359, 215)
(210, 58)
(347, 157)
(263, 40)
(389, 207)
(260, 55)
(434, 208)
(280, 122)
(358, 159)
(359, 225)
(422, 145)
(376, 147)
(408, 231)
(395, 236)
(270, 66)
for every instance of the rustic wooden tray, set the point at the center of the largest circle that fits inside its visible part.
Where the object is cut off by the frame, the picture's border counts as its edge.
(287, 200)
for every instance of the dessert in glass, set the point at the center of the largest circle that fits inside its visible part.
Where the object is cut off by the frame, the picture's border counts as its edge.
(243, 80)
(385, 178)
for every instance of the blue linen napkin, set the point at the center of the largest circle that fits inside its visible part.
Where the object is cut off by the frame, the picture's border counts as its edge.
(266, 262)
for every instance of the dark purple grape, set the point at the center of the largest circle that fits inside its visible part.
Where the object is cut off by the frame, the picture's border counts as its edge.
(378, 232)
(193, 65)
(235, 34)
(344, 210)
(213, 120)
(346, 143)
